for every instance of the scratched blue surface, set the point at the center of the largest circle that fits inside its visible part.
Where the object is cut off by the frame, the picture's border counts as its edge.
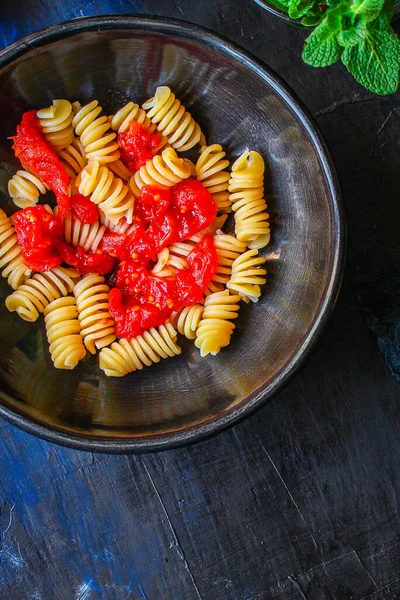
(300, 501)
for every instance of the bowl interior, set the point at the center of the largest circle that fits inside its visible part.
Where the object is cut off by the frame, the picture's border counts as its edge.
(241, 108)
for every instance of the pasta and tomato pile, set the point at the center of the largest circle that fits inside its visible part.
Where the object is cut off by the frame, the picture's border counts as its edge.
(133, 252)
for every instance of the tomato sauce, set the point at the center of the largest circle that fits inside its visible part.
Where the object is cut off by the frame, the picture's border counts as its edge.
(38, 156)
(162, 217)
(141, 300)
(37, 231)
(84, 209)
(137, 145)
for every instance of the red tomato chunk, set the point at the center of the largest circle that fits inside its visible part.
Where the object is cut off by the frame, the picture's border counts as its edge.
(38, 155)
(137, 145)
(37, 231)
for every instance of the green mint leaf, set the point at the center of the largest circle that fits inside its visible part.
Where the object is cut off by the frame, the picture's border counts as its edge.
(375, 61)
(313, 18)
(382, 23)
(298, 9)
(354, 33)
(321, 48)
(369, 9)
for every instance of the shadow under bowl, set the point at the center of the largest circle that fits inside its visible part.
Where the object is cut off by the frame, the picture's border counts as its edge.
(240, 104)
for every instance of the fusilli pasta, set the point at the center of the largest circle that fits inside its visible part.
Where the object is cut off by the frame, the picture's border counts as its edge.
(131, 111)
(188, 320)
(172, 120)
(32, 297)
(24, 188)
(11, 262)
(215, 329)
(127, 356)
(106, 190)
(163, 171)
(210, 170)
(73, 158)
(98, 327)
(63, 333)
(246, 187)
(99, 143)
(82, 234)
(56, 123)
(228, 249)
(247, 275)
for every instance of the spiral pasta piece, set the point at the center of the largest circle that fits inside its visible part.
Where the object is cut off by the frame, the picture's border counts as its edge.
(247, 275)
(127, 356)
(173, 120)
(121, 227)
(162, 171)
(83, 234)
(188, 320)
(215, 329)
(98, 326)
(131, 111)
(161, 268)
(99, 143)
(108, 191)
(32, 297)
(246, 187)
(73, 158)
(210, 170)
(25, 187)
(56, 123)
(12, 263)
(178, 253)
(228, 249)
(63, 333)
(120, 170)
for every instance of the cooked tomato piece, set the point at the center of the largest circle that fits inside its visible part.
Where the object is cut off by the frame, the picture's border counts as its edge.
(137, 145)
(84, 209)
(192, 206)
(37, 231)
(38, 155)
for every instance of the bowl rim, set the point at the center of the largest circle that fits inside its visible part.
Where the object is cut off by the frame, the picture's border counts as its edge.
(205, 36)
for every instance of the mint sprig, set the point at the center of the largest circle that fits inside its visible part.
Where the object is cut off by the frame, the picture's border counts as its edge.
(358, 33)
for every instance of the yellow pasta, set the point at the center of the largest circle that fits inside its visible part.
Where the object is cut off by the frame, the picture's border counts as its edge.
(188, 320)
(173, 121)
(98, 327)
(246, 187)
(127, 356)
(121, 227)
(82, 234)
(25, 187)
(63, 333)
(228, 249)
(56, 123)
(161, 268)
(247, 275)
(162, 171)
(12, 264)
(107, 190)
(215, 329)
(210, 170)
(99, 142)
(75, 306)
(73, 158)
(120, 170)
(32, 297)
(131, 111)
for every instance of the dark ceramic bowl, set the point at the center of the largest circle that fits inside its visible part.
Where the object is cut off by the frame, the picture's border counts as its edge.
(241, 104)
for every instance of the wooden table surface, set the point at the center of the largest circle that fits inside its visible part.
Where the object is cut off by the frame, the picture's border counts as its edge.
(299, 501)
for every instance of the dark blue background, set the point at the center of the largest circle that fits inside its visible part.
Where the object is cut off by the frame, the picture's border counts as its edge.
(300, 501)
